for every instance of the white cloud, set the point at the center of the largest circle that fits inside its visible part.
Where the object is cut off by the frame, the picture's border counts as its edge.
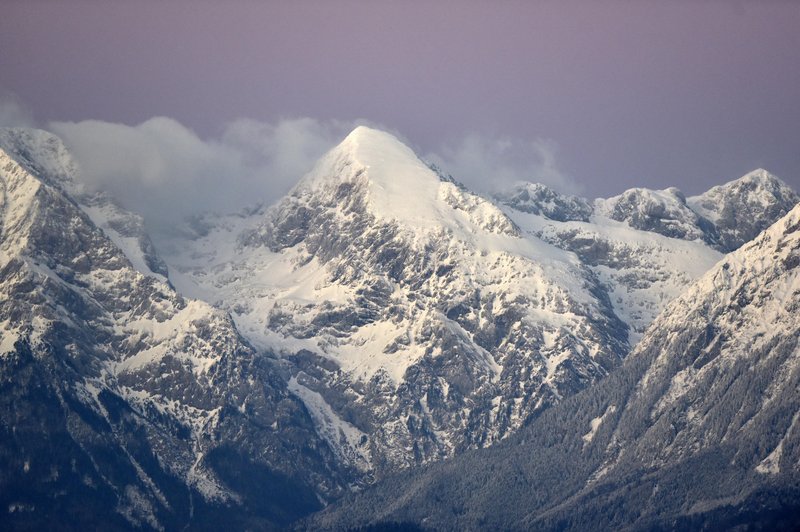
(490, 164)
(286, 150)
(164, 171)
(12, 112)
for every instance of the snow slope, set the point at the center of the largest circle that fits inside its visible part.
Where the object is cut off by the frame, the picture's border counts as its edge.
(416, 308)
(698, 429)
(112, 380)
(646, 246)
(432, 319)
(45, 156)
(641, 270)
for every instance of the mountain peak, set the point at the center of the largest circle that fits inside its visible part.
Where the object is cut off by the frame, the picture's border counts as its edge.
(758, 175)
(746, 206)
(758, 180)
(374, 169)
(40, 152)
(366, 134)
(382, 155)
(537, 198)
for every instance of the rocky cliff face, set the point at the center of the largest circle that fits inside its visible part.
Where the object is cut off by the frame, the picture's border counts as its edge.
(420, 319)
(741, 209)
(379, 317)
(640, 268)
(415, 314)
(698, 428)
(125, 403)
(646, 246)
(725, 217)
(538, 199)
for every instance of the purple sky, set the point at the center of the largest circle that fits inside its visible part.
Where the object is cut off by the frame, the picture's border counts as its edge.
(654, 94)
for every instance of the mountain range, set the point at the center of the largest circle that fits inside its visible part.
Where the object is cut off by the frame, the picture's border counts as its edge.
(697, 430)
(390, 346)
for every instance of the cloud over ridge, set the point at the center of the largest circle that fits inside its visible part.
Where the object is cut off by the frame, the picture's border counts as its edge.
(489, 164)
(166, 172)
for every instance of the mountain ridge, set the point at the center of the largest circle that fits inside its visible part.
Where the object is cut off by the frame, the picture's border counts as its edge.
(303, 350)
(355, 295)
(384, 302)
(650, 446)
(148, 402)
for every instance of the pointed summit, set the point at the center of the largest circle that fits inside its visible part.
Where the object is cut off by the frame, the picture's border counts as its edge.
(742, 208)
(759, 183)
(389, 164)
(759, 175)
(395, 182)
(371, 136)
(372, 171)
(379, 152)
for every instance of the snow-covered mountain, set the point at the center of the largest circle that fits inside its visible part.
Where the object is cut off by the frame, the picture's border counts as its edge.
(645, 246)
(124, 403)
(47, 158)
(740, 210)
(419, 319)
(725, 217)
(380, 316)
(697, 430)
(640, 269)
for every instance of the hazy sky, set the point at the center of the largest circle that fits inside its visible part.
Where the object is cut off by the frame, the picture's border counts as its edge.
(608, 94)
